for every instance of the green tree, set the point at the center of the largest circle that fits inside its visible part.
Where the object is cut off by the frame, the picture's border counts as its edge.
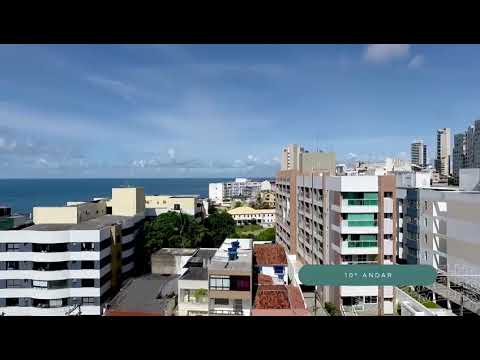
(218, 227)
(173, 230)
(266, 235)
(237, 204)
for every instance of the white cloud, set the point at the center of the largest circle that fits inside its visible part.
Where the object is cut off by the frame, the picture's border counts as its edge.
(6, 145)
(380, 53)
(352, 155)
(416, 62)
(117, 87)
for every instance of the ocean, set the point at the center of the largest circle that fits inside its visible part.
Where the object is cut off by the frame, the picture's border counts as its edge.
(23, 194)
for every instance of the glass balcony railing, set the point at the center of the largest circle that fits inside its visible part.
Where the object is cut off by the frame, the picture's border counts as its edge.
(361, 202)
(361, 244)
(361, 222)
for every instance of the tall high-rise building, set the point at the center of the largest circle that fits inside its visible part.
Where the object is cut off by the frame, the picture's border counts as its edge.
(291, 157)
(459, 155)
(442, 163)
(326, 219)
(418, 154)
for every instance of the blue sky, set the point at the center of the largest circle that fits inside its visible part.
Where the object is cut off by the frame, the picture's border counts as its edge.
(223, 110)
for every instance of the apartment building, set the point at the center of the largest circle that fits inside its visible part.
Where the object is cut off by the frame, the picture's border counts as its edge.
(442, 163)
(230, 279)
(295, 157)
(268, 197)
(439, 228)
(73, 258)
(459, 155)
(418, 154)
(323, 219)
(193, 285)
(245, 215)
(241, 188)
(185, 204)
(10, 221)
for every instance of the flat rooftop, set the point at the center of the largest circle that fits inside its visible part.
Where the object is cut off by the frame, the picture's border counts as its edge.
(93, 224)
(175, 252)
(195, 273)
(220, 260)
(149, 293)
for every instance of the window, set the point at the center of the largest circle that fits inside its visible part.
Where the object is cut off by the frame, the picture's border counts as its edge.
(219, 283)
(40, 284)
(426, 239)
(221, 302)
(12, 302)
(88, 246)
(12, 265)
(426, 222)
(17, 283)
(388, 194)
(13, 247)
(370, 299)
(387, 236)
(88, 282)
(387, 216)
(176, 206)
(426, 256)
(426, 205)
(89, 301)
(56, 303)
(278, 269)
(88, 265)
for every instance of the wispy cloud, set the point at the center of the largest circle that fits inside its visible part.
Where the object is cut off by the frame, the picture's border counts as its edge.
(120, 88)
(416, 62)
(382, 53)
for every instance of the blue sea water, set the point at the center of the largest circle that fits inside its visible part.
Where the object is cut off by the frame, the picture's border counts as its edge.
(23, 194)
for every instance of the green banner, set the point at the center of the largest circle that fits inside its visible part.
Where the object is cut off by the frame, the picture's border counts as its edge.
(367, 275)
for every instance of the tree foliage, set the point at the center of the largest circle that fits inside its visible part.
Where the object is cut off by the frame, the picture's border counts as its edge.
(176, 230)
(266, 235)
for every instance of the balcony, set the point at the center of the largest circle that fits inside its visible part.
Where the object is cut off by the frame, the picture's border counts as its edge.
(357, 247)
(359, 205)
(226, 312)
(359, 227)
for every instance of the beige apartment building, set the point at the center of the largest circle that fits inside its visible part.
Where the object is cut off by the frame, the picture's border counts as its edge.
(268, 197)
(245, 215)
(186, 204)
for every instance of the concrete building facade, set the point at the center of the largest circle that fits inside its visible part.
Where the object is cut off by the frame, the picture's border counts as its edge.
(73, 258)
(418, 154)
(442, 162)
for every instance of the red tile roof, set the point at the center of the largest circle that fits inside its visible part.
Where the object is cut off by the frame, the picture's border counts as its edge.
(269, 255)
(272, 297)
(295, 297)
(265, 279)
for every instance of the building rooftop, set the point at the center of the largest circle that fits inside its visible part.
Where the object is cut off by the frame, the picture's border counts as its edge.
(269, 255)
(279, 297)
(149, 294)
(175, 252)
(195, 273)
(249, 210)
(92, 224)
(220, 260)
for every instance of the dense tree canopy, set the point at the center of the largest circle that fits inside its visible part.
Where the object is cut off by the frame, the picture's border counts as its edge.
(266, 235)
(172, 229)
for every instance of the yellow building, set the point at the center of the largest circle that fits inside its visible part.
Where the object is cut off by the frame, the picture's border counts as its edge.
(244, 215)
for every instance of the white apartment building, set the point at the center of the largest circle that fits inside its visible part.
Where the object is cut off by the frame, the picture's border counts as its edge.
(440, 227)
(245, 215)
(73, 257)
(215, 193)
(221, 193)
(230, 279)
